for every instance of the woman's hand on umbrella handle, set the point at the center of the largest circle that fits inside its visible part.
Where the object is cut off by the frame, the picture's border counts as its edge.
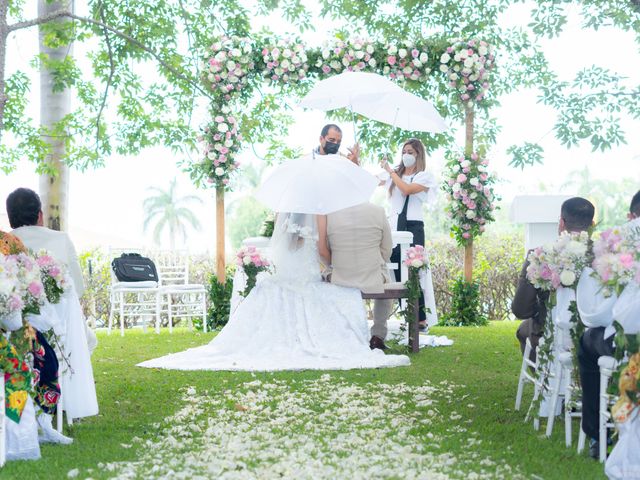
(384, 164)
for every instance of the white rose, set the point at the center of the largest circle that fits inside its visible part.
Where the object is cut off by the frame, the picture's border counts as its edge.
(219, 171)
(470, 214)
(369, 49)
(211, 77)
(445, 58)
(236, 52)
(407, 70)
(286, 53)
(231, 65)
(325, 54)
(223, 127)
(359, 54)
(473, 181)
(386, 70)
(228, 143)
(246, 260)
(402, 53)
(444, 68)
(334, 64)
(345, 62)
(212, 155)
(392, 50)
(424, 57)
(372, 63)
(416, 263)
(473, 195)
(455, 187)
(482, 50)
(463, 54)
(567, 278)
(453, 76)
(465, 163)
(468, 63)
(285, 63)
(417, 63)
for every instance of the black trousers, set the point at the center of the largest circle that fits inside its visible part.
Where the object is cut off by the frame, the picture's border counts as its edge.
(593, 345)
(417, 228)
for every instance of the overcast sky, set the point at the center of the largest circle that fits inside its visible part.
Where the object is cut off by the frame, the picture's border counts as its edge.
(106, 204)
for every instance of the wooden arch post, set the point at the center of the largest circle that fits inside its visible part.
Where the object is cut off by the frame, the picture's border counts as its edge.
(468, 150)
(220, 254)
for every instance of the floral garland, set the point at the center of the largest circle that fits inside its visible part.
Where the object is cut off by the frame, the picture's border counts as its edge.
(616, 260)
(550, 267)
(252, 263)
(230, 63)
(220, 142)
(467, 65)
(470, 196)
(405, 61)
(285, 61)
(416, 260)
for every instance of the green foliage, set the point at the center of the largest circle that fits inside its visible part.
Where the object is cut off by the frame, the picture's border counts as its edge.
(526, 154)
(497, 261)
(466, 309)
(219, 301)
(245, 220)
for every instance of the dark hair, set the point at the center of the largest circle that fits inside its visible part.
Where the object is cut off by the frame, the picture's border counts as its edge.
(23, 207)
(329, 126)
(577, 213)
(421, 159)
(634, 208)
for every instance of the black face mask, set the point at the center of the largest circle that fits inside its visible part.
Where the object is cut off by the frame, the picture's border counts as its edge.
(331, 148)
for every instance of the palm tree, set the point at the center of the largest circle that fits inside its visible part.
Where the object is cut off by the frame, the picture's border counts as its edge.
(169, 211)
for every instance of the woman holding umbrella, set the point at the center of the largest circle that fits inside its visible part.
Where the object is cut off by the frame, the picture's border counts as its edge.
(410, 186)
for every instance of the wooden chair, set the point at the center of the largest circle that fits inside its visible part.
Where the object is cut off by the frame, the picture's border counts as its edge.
(397, 291)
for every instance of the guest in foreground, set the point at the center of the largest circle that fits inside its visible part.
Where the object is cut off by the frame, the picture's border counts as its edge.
(593, 345)
(410, 186)
(26, 218)
(359, 246)
(576, 215)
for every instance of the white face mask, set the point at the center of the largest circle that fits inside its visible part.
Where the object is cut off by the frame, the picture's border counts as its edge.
(408, 160)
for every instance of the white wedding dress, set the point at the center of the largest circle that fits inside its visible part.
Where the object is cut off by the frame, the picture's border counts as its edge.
(291, 320)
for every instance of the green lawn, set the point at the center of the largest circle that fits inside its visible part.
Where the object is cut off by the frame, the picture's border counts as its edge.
(479, 371)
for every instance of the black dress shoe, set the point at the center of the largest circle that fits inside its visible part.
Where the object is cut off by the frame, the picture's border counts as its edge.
(594, 449)
(377, 342)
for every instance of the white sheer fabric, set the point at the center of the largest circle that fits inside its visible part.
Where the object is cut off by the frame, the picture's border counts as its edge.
(22, 438)
(624, 461)
(77, 383)
(291, 320)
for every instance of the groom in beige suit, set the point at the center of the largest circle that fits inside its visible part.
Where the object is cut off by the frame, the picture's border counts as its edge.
(359, 238)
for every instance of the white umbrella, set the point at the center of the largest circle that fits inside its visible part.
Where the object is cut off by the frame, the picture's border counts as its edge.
(404, 110)
(377, 98)
(317, 185)
(347, 90)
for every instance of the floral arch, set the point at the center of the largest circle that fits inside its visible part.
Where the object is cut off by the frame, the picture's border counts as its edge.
(235, 65)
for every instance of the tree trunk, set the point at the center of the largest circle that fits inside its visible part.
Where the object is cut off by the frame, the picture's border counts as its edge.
(468, 150)
(54, 106)
(220, 260)
(3, 58)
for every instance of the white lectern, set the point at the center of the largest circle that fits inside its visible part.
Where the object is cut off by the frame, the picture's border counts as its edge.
(540, 215)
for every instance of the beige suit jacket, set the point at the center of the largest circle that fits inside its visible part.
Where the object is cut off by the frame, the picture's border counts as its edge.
(360, 241)
(59, 246)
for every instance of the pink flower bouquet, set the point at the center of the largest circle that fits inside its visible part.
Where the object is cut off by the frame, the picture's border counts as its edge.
(252, 262)
(617, 257)
(53, 275)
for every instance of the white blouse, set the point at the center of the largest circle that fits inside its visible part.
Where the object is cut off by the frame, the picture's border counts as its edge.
(414, 209)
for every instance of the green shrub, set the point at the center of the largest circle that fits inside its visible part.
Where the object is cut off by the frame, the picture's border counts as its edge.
(497, 262)
(465, 306)
(219, 300)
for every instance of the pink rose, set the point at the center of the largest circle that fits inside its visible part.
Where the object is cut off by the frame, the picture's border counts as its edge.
(391, 60)
(626, 260)
(35, 288)
(461, 178)
(466, 235)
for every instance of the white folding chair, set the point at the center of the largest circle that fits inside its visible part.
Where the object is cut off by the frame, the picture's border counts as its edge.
(132, 299)
(607, 366)
(572, 397)
(181, 298)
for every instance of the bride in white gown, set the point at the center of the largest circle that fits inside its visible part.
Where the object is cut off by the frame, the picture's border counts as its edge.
(291, 320)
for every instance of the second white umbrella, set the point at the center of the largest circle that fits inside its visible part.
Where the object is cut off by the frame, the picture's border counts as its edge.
(316, 184)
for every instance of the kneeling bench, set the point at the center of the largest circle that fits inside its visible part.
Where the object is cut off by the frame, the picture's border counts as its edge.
(397, 291)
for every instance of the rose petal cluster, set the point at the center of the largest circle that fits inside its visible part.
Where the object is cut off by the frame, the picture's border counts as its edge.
(220, 142)
(229, 64)
(467, 64)
(616, 260)
(470, 195)
(285, 60)
(405, 61)
(560, 263)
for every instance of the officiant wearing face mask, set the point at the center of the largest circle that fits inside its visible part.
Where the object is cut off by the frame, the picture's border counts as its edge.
(410, 186)
(330, 139)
